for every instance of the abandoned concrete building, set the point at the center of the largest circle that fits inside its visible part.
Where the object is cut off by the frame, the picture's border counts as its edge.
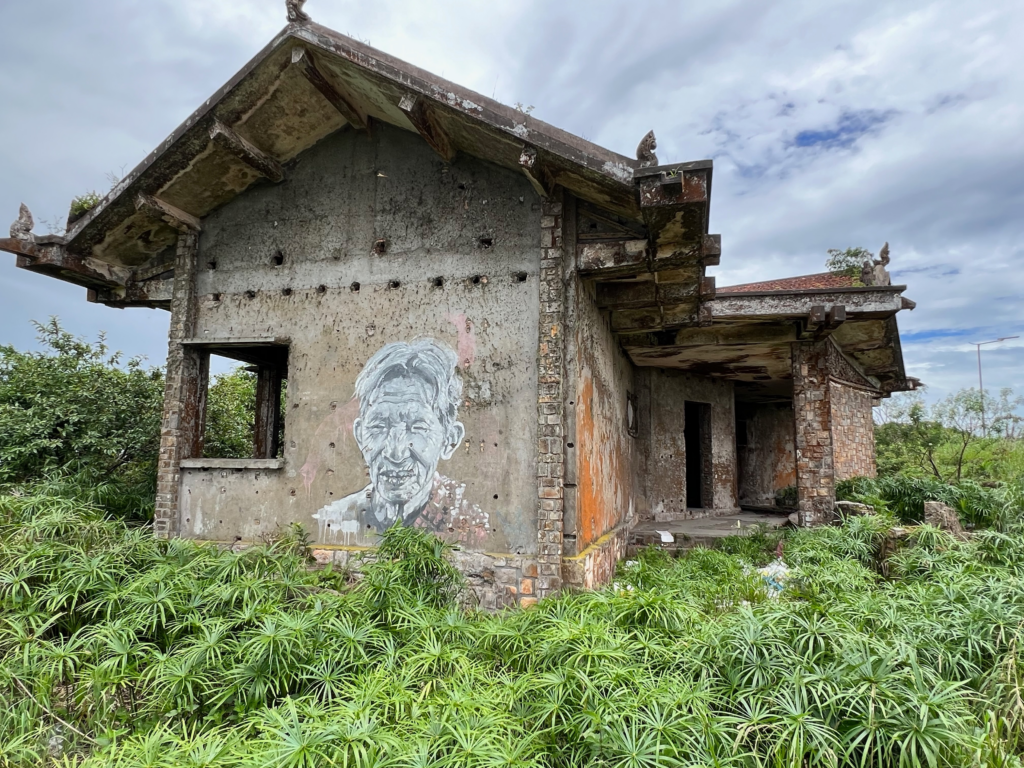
(487, 327)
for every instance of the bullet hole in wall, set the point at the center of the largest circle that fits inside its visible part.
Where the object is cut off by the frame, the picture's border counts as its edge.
(354, 287)
(521, 277)
(571, 445)
(392, 284)
(331, 446)
(250, 294)
(214, 297)
(495, 495)
(211, 265)
(461, 185)
(380, 246)
(478, 279)
(485, 242)
(291, 491)
(278, 258)
(439, 282)
(286, 291)
(321, 289)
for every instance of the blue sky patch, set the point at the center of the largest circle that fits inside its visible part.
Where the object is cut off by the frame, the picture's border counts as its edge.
(850, 127)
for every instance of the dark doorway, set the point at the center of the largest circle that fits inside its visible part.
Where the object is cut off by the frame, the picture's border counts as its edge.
(697, 438)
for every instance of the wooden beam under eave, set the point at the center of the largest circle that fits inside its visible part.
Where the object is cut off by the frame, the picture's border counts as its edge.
(418, 113)
(23, 248)
(169, 214)
(225, 138)
(535, 174)
(343, 103)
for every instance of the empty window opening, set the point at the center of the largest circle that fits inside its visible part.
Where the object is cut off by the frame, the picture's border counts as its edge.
(240, 407)
(697, 440)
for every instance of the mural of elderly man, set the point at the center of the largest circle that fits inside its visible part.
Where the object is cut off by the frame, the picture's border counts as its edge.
(409, 396)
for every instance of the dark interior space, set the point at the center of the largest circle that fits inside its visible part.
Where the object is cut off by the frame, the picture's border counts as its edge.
(696, 434)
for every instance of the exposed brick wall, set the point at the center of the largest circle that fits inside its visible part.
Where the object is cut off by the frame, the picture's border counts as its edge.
(812, 411)
(853, 432)
(184, 391)
(550, 406)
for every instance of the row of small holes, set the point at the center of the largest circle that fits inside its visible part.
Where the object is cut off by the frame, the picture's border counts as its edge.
(438, 282)
(380, 247)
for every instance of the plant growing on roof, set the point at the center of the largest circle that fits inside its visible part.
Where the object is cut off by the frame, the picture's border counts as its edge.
(847, 262)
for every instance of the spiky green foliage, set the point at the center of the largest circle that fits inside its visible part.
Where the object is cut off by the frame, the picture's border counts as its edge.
(994, 506)
(173, 653)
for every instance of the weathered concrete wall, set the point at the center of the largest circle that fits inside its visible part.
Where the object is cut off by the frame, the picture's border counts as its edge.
(853, 432)
(767, 463)
(669, 391)
(365, 227)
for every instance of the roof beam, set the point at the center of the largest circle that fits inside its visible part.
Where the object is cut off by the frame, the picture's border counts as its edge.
(420, 115)
(344, 103)
(539, 179)
(225, 138)
(177, 218)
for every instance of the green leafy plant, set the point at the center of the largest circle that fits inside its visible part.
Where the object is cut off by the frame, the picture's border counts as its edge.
(848, 261)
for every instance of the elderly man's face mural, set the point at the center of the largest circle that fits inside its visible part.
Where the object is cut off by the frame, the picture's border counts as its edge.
(407, 423)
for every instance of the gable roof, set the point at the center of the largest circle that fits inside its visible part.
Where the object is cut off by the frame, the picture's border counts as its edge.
(819, 281)
(307, 83)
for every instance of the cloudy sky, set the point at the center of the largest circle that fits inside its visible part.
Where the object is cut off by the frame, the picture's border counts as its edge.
(831, 125)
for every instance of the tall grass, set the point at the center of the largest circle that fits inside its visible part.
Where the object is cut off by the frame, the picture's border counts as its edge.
(120, 650)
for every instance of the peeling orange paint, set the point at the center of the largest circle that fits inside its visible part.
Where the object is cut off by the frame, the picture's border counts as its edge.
(600, 466)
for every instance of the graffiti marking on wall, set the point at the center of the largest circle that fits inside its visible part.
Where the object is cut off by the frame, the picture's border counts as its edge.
(409, 395)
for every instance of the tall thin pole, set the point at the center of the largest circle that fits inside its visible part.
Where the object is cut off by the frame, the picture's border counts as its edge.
(981, 386)
(981, 391)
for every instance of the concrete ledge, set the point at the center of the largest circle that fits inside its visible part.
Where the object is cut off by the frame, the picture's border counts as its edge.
(232, 463)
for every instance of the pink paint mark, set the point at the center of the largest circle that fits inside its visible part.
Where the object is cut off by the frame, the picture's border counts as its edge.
(335, 427)
(467, 339)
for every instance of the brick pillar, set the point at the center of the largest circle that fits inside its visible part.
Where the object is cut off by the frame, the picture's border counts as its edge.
(812, 409)
(550, 410)
(184, 391)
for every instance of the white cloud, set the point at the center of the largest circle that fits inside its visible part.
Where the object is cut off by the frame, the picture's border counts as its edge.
(831, 124)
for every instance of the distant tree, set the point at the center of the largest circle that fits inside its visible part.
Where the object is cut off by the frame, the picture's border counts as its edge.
(847, 262)
(231, 415)
(78, 408)
(947, 440)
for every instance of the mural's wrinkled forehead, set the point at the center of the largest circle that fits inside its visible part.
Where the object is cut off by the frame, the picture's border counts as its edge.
(426, 360)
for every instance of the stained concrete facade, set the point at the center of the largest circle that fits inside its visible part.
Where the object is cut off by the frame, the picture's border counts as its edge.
(484, 326)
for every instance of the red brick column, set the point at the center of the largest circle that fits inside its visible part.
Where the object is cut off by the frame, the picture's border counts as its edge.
(550, 411)
(184, 391)
(812, 409)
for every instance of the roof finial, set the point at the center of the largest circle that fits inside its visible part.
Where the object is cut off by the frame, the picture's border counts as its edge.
(645, 150)
(295, 12)
(22, 228)
(883, 255)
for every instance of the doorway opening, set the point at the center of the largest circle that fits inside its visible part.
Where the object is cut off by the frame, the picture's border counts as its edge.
(697, 439)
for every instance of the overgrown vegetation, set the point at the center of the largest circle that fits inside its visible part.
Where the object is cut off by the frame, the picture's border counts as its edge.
(848, 261)
(120, 650)
(79, 416)
(963, 436)
(82, 204)
(81, 421)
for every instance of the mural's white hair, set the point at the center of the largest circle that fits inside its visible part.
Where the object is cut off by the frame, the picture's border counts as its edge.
(425, 359)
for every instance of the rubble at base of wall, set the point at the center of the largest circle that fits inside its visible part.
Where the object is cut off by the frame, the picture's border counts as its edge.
(494, 581)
